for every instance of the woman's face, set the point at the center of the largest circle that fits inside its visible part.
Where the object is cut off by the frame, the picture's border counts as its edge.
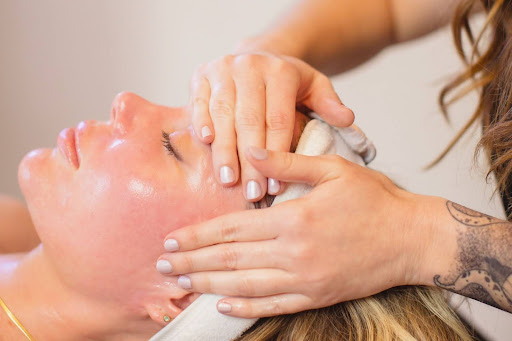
(103, 200)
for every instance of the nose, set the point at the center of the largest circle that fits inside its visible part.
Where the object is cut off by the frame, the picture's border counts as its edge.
(123, 111)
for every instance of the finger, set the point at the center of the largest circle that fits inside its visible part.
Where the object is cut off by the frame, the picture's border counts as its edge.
(250, 131)
(244, 226)
(264, 306)
(222, 109)
(230, 256)
(247, 283)
(280, 120)
(291, 167)
(319, 96)
(199, 104)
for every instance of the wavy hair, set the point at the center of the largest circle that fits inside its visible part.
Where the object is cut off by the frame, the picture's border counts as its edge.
(401, 313)
(488, 71)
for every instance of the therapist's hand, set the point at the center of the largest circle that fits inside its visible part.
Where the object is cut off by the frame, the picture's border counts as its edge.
(350, 237)
(250, 99)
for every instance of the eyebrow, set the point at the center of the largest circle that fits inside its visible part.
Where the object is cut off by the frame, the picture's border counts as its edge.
(168, 145)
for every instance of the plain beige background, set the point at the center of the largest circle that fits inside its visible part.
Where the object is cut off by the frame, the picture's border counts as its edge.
(62, 61)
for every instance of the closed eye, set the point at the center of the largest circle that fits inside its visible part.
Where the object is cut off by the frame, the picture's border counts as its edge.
(166, 140)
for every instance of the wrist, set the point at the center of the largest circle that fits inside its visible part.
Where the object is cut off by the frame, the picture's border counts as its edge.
(434, 243)
(271, 44)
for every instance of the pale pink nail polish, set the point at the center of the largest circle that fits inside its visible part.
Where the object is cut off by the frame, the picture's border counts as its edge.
(184, 282)
(224, 307)
(273, 186)
(206, 132)
(253, 190)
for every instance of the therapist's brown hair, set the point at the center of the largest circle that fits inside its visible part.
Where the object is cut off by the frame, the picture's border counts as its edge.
(488, 71)
(401, 313)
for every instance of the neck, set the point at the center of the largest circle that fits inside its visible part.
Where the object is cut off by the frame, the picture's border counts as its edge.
(51, 311)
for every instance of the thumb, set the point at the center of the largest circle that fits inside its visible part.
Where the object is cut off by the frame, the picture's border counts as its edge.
(323, 100)
(290, 167)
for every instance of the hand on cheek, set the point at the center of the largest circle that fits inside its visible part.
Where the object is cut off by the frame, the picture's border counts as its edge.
(250, 99)
(344, 240)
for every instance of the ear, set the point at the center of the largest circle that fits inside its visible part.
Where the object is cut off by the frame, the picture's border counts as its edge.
(169, 306)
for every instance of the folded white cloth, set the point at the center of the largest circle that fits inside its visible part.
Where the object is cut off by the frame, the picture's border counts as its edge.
(201, 321)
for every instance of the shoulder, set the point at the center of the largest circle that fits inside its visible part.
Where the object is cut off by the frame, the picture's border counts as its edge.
(17, 232)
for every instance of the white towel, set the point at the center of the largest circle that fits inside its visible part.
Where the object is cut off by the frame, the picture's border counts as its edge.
(201, 321)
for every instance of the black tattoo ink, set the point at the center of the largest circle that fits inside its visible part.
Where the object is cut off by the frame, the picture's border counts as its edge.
(484, 264)
(469, 217)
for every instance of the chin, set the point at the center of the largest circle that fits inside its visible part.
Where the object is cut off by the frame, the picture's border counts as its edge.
(40, 175)
(30, 169)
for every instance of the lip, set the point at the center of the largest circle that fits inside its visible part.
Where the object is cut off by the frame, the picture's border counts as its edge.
(67, 145)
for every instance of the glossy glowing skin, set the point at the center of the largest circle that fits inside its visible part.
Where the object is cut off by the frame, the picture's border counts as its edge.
(102, 224)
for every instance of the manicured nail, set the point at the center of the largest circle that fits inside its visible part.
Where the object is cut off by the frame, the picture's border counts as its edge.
(227, 175)
(184, 282)
(171, 245)
(253, 190)
(205, 132)
(258, 153)
(224, 307)
(273, 186)
(163, 266)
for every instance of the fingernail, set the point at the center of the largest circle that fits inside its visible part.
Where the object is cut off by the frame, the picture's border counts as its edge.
(253, 190)
(227, 175)
(184, 282)
(273, 186)
(258, 153)
(224, 307)
(171, 245)
(205, 132)
(163, 266)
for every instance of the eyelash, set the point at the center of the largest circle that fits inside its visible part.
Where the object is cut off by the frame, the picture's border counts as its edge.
(167, 144)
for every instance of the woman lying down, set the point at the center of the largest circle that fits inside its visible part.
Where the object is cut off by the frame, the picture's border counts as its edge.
(103, 201)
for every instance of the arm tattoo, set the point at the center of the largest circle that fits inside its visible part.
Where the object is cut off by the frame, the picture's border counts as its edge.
(483, 269)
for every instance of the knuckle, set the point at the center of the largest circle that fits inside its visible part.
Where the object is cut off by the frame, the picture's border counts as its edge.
(222, 108)
(229, 258)
(191, 238)
(248, 120)
(334, 158)
(283, 67)
(288, 162)
(188, 264)
(248, 60)
(199, 101)
(316, 282)
(277, 122)
(274, 307)
(229, 232)
(226, 61)
(245, 287)
(322, 78)
(337, 163)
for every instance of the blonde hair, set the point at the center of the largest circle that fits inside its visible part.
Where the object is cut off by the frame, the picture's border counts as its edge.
(400, 313)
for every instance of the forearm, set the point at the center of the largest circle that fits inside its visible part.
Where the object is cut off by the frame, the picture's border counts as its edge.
(336, 35)
(330, 35)
(469, 253)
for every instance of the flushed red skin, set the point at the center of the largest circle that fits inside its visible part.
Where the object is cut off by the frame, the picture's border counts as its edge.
(102, 216)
